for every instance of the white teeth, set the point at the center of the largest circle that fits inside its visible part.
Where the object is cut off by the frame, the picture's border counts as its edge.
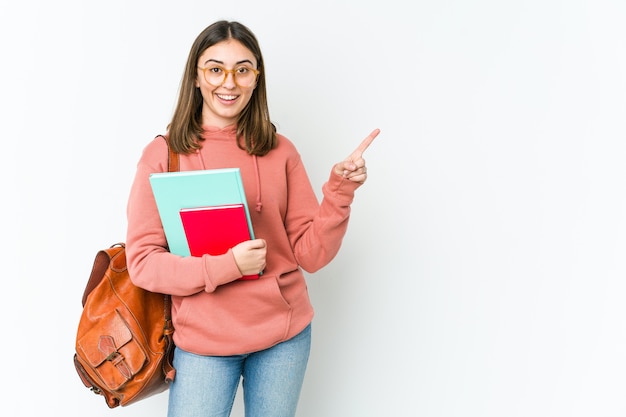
(227, 97)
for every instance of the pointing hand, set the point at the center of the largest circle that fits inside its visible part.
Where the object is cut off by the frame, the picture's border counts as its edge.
(353, 167)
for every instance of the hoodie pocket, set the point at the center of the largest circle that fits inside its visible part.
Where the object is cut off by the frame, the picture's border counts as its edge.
(242, 316)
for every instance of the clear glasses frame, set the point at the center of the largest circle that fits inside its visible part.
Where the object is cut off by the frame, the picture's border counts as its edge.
(229, 71)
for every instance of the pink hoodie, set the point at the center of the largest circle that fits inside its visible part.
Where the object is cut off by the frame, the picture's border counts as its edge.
(213, 312)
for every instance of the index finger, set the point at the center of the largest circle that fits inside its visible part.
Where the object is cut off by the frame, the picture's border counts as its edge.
(365, 144)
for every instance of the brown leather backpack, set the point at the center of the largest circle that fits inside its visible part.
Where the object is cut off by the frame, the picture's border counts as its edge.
(124, 345)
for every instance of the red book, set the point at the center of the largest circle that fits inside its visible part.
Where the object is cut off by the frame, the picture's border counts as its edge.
(215, 229)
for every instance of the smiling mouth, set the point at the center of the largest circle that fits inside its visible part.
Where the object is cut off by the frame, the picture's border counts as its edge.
(226, 97)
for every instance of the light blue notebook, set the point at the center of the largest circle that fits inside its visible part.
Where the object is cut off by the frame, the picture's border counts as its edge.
(189, 189)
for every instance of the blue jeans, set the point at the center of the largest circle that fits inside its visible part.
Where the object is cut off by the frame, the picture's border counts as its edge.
(205, 386)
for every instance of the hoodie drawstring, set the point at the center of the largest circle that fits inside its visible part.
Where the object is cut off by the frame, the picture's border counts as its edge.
(259, 204)
(200, 158)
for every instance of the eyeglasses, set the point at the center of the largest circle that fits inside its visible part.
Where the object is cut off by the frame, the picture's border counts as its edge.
(243, 76)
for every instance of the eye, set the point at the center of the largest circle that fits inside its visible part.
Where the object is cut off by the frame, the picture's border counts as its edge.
(216, 70)
(242, 70)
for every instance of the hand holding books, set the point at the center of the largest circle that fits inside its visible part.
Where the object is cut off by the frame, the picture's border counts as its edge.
(250, 256)
(213, 230)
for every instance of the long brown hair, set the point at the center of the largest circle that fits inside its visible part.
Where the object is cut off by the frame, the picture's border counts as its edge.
(255, 131)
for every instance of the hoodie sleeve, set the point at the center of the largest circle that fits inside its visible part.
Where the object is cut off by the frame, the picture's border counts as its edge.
(316, 230)
(150, 264)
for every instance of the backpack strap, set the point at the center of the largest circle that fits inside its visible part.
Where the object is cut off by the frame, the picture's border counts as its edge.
(173, 165)
(173, 157)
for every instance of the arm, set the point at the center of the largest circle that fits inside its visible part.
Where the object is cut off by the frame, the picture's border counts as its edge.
(316, 236)
(150, 264)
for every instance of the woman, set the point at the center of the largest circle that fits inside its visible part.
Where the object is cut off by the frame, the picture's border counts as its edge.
(227, 328)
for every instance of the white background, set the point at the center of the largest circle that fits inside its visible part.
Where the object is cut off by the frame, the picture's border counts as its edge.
(483, 271)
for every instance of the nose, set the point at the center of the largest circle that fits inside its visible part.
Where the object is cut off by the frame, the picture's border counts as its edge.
(229, 81)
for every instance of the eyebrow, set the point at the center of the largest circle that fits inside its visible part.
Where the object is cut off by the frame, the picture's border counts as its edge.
(243, 61)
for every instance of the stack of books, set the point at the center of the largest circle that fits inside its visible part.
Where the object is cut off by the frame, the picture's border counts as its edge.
(202, 211)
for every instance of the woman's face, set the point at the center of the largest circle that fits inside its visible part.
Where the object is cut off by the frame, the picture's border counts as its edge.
(224, 98)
